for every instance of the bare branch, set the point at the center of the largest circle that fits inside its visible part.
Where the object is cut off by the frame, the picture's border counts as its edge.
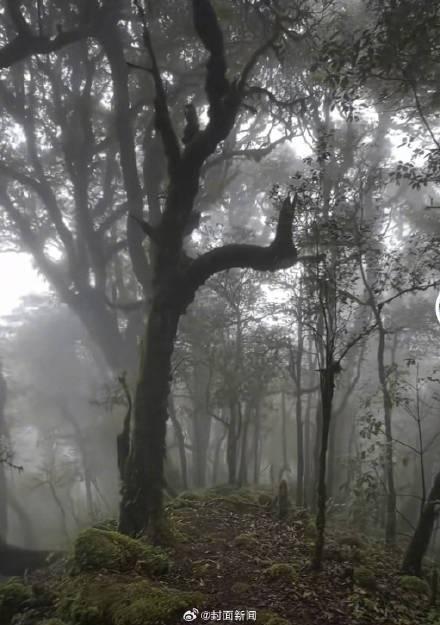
(163, 118)
(411, 289)
(256, 90)
(281, 253)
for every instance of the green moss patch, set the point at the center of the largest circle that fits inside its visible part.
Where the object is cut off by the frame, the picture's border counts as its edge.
(264, 499)
(115, 600)
(246, 541)
(13, 596)
(240, 588)
(106, 550)
(413, 584)
(280, 571)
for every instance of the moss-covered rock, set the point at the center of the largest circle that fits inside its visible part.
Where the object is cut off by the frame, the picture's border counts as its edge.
(280, 571)
(246, 541)
(414, 584)
(13, 597)
(264, 499)
(110, 551)
(365, 578)
(115, 600)
(240, 588)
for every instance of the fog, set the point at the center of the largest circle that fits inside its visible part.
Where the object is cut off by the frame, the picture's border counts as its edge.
(220, 260)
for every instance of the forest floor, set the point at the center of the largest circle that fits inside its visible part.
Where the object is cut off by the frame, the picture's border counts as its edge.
(245, 559)
(230, 558)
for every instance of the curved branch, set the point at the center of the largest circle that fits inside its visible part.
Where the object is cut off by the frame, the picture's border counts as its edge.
(280, 254)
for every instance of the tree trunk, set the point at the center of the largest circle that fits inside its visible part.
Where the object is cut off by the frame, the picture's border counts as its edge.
(233, 435)
(390, 525)
(3, 441)
(307, 464)
(316, 455)
(180, 439)
(412, 562)
(285, 462)
(327, 391)
(257, 443)
(331, 464)
(201, 420)
(142, 492)
(217, 452)
(242, 472)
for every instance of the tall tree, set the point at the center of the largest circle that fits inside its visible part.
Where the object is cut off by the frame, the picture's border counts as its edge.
(176, 277)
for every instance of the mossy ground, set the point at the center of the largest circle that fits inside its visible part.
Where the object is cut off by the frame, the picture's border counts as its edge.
(116, 581)
(13, 597)
(97, 550)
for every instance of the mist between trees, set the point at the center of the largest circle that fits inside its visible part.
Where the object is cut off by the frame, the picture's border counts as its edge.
(236, 208)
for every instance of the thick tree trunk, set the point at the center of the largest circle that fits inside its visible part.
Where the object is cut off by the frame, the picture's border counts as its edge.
(412, 562)
(142, 492)
(175, 277)
(327, 391)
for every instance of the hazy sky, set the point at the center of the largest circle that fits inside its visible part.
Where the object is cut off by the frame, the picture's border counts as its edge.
(17, 278)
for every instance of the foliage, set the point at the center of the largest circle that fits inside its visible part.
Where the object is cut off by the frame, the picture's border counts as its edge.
(13, 596)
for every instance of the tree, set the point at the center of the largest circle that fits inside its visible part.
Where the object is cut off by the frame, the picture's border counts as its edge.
(412, 562)
(26, 42)
(176, 277)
